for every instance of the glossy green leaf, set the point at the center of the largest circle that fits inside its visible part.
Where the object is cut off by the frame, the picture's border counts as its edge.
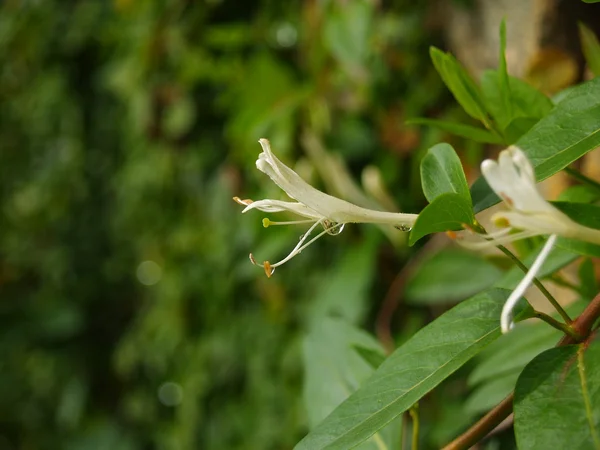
(590, 47)
(462, 86)
(447, 212)
(449, 276)
(442, 172)
(467, 131)
(583, 213)
(557, 400)
(590, 1)
(567, 133)
(414, 369)
(334, 369)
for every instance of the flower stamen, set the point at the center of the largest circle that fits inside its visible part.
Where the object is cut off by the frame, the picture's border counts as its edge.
(245, 202)
(267, 222)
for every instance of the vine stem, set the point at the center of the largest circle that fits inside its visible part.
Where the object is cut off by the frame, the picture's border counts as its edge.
(582, 326)
(538, 284)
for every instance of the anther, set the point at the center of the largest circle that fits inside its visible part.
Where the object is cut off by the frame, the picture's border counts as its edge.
(502, 222)
(266, 222)
(268, 269)
(245, 202)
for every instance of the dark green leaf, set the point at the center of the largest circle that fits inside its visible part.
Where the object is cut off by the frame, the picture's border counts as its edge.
(442, 172)
(557, 400)
(461, 85)
(467, 131)
(449, 276)
(447, 212)
(526, 101)
(582, 213)
(414, 369)
(587, 278)
(591, 48)
(567, 133)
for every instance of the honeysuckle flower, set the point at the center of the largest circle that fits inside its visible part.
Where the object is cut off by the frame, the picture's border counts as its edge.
(314, 206)
(528, 214)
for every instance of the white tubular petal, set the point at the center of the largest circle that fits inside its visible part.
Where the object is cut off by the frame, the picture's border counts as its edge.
(495, 239)
(332, 208)
(506, 317)
(272, 206)
(525, 168)
(551, 222)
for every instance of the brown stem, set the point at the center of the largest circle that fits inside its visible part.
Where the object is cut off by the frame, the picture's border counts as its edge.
(582, 326)
(483, 426)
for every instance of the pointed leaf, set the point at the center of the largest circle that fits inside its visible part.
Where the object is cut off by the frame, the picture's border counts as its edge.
(413, 370)
(462, 86)
(567, 133)
(557, 399)
(448, 212)
(442, 172)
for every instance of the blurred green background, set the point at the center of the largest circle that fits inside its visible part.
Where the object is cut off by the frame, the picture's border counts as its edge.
(130, 316)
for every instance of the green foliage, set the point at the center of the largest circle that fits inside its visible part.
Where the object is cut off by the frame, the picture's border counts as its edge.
(130, 316)
(442, 172)
(565, 381)
(591, 48)
(411, 371)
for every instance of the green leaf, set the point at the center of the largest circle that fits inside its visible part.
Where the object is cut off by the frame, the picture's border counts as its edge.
(461, 85)
(334, 370)
(527, 103)
(587, 278)
(591, 48)
(579, 194)
(590, 1)
(374, 357)
(557, 399)
(343, 290)
(567, 133)
(449, 276)
(585, 214)
(414, 369)
(503, 84)
(467, 131)
(582, 213)
(447, 212)
(442, 172)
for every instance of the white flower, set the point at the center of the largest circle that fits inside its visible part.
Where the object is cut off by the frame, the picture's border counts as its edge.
(512, 178)
(314, 206)
(528, 214)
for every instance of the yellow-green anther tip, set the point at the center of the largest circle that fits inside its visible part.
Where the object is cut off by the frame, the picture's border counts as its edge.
(266, 222)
